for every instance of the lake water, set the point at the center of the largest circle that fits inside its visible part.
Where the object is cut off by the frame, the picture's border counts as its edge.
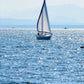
(25, 60)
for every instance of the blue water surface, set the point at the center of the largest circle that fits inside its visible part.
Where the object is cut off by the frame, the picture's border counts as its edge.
(25, 60)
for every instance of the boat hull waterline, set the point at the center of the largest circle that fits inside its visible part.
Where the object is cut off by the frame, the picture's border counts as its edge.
(43, 37)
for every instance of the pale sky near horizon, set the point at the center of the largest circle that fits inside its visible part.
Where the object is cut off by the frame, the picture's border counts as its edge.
(30, 9)
(15, 5)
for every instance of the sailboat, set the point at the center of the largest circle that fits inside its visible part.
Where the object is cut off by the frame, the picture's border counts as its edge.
(43, 26)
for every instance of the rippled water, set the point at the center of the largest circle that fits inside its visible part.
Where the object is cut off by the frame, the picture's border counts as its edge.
(25, 60)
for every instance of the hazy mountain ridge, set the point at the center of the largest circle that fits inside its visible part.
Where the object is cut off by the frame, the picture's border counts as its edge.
(66, 14)
(7, 21)
(58, 15)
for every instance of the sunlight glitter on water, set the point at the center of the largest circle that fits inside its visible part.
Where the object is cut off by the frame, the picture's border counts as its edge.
(57, 61)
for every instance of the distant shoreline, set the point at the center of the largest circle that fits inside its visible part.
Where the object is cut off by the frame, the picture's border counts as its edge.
(36, 29)
(52, 26)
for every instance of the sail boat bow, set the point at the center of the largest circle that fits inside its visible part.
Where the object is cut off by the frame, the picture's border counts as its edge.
(43, 26)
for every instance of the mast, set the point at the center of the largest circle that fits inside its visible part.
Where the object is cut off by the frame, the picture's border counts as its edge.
(47, 15)
(42, 23)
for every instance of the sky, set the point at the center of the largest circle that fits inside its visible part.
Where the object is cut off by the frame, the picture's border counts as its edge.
(29, 9)
(15, 5)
